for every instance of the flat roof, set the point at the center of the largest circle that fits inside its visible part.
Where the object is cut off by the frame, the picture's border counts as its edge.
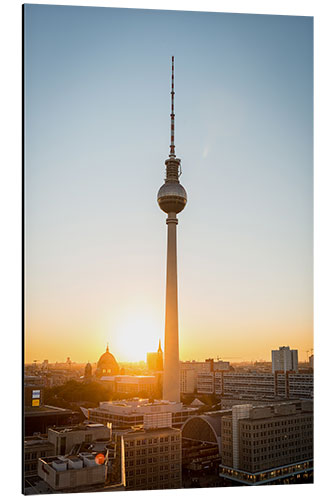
(30, 411)
(142, 431)
(34, 442)
(77, 427)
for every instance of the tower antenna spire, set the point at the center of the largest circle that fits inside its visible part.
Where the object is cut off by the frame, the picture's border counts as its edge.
(172, 144)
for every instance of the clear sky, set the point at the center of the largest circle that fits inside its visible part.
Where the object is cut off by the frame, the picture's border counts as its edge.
(97, 107)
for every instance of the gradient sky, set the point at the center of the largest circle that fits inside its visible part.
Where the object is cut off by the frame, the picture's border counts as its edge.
(97, 107)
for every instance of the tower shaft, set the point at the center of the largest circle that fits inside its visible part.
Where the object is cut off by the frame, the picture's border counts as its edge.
(172, 199)
(171, 378)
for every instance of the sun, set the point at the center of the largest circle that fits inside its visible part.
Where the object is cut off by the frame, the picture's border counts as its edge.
(134, 335)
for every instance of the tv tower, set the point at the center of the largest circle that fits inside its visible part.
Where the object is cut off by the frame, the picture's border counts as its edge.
(172, 199)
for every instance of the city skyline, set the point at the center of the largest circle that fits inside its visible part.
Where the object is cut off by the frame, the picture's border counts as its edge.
(97, 118)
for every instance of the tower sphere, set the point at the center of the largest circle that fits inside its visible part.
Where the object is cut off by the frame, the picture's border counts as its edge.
(172, 197)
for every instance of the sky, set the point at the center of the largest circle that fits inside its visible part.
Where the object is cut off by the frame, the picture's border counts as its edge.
(97, 120)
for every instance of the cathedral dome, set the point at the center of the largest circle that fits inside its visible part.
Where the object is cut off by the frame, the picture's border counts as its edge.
(107, 365)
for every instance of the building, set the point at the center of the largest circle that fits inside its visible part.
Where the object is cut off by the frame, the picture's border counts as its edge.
(155, 360)
(199, 376)
(107, 365)
(153, 455)
(124, 414)
(86, 457)
(33, 395)
(72, 473)
(204, 429)
(133, 385)
(255, 384)
(172, 199)
(189, 371)
(266, 444)
(65, 439)
(250, 384)
(201, 450)
(35, 447)
(188, 381)
(294, 385)
(311, 358)
(210, 383)
(39, 418)
(285, 359)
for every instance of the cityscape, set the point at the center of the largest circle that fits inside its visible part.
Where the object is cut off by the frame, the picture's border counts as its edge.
(99, 426)
(119, 417)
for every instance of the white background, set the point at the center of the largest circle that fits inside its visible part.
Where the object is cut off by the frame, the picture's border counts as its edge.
(10, 238)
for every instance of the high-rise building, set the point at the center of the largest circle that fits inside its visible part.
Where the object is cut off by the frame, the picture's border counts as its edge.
(172, 199)
(152, 456)
(285, 359)
(263, 444)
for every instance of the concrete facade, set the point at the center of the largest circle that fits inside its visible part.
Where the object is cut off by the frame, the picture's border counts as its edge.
(254, 384)
(264, 438)
(72, 472)
(35, 447)
(152, 458)
(127, 413)
(172, 199)
(284, 359)
(65, 438)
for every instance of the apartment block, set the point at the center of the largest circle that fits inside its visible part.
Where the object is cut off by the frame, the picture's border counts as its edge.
(253, 384)
(285, 359)
(260, 444)
(152, 458)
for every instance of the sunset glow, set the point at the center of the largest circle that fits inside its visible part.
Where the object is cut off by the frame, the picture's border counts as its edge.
(97, 136)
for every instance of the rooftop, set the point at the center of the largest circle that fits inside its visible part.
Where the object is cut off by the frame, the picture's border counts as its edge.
(140, 430)
(36, 441)
(80, 427)
(46, 409)
(81, 457)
